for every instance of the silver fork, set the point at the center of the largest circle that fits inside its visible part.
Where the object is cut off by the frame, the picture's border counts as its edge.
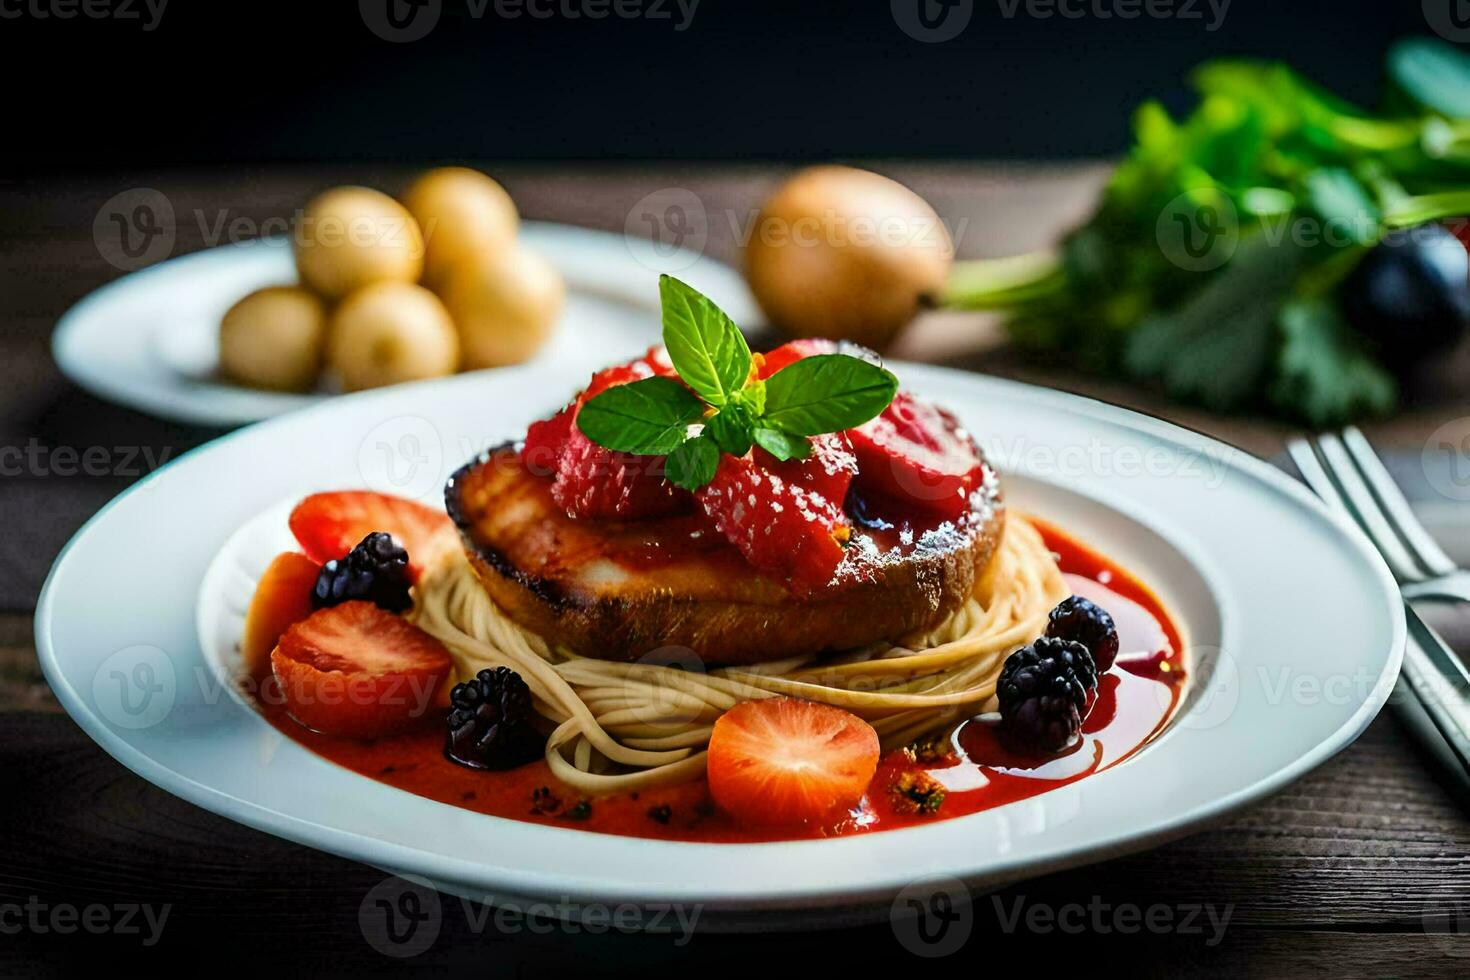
(1434, 688)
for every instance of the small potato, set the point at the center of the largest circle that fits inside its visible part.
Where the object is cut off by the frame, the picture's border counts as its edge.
(463, 215)
(388, 333)
(273, 339)
(504, 306)
(350, 237)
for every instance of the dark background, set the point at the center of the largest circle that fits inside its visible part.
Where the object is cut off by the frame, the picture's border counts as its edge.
(233, 83)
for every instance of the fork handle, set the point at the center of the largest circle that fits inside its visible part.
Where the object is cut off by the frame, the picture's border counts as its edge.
(1440, 692)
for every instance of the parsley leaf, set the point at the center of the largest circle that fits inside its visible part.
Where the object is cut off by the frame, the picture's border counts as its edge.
(649, 417)
(1322, 373)
(826, 393)
(705, 346)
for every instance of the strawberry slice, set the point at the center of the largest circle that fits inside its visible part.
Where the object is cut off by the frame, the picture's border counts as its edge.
(545, 441)
(590, 481)
(282, 599)
(329, 525)
(793, 351)
(359, 671)
(828, 470)
(791, 533)
(597, 483)
(788, 761)
(919, 453)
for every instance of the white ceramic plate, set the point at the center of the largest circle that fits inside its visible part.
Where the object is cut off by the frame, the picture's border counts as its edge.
(1296, 635)
(150, 339)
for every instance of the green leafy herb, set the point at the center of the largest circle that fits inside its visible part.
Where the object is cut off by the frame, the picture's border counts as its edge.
(826, 393)
(706, 347)
(1433, 74)
(782, 445)
(693, 463)
(1322, 371)
(651, 417)
(1212, 262)
(724, 409)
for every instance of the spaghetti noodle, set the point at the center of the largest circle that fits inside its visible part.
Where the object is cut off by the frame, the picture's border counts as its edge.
(628, 726)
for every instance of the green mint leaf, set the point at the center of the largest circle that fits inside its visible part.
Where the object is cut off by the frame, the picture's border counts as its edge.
(781, 445)
(826, 393)
(705, 346)
(649, 417)
(730, 428)
(752, 396)
(693, 463)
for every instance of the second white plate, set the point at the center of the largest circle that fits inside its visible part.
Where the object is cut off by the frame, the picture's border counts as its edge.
(149, 340)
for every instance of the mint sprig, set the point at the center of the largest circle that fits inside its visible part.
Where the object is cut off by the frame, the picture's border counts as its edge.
(721, 407)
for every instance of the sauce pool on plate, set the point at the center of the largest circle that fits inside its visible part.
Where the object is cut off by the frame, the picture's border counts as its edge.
(961, 770)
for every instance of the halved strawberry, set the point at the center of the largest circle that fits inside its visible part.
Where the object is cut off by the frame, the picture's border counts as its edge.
(787, 761)
(591, 481)
(828, 470)
(358, 670)
(658, 359)
(787, 531)
(545, 441)
(282, 598)
(917, 452)
(329, 525)
(598, 483)
(793, 351)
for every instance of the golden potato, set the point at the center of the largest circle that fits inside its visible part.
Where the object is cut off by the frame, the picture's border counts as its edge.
(504, 306)
(463, 215)
(390, 332)
(350, 237)
(273, 339)
(844, 253)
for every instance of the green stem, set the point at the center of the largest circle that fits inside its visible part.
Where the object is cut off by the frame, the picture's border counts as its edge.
(998, 284)
(1427, 207)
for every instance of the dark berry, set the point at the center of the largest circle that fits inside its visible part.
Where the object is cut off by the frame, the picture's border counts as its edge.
(375, 571)
(490, 722)
(1085, 622)
(1044, 691)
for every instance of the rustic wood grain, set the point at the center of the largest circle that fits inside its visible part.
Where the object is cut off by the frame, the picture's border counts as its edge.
(1360, 868)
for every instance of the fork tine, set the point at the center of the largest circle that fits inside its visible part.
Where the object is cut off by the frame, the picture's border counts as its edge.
(1362, 502)
(1311, 470)
(1395, 507)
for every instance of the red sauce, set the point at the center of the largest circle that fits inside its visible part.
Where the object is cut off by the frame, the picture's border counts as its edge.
(1134, 702)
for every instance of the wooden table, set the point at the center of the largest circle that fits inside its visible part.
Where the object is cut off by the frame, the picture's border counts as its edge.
(1359, 868)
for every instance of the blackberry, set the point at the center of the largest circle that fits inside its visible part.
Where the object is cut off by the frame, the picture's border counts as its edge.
(1043, 692)
(490, 722)
(375, 571)
(1089, 624)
